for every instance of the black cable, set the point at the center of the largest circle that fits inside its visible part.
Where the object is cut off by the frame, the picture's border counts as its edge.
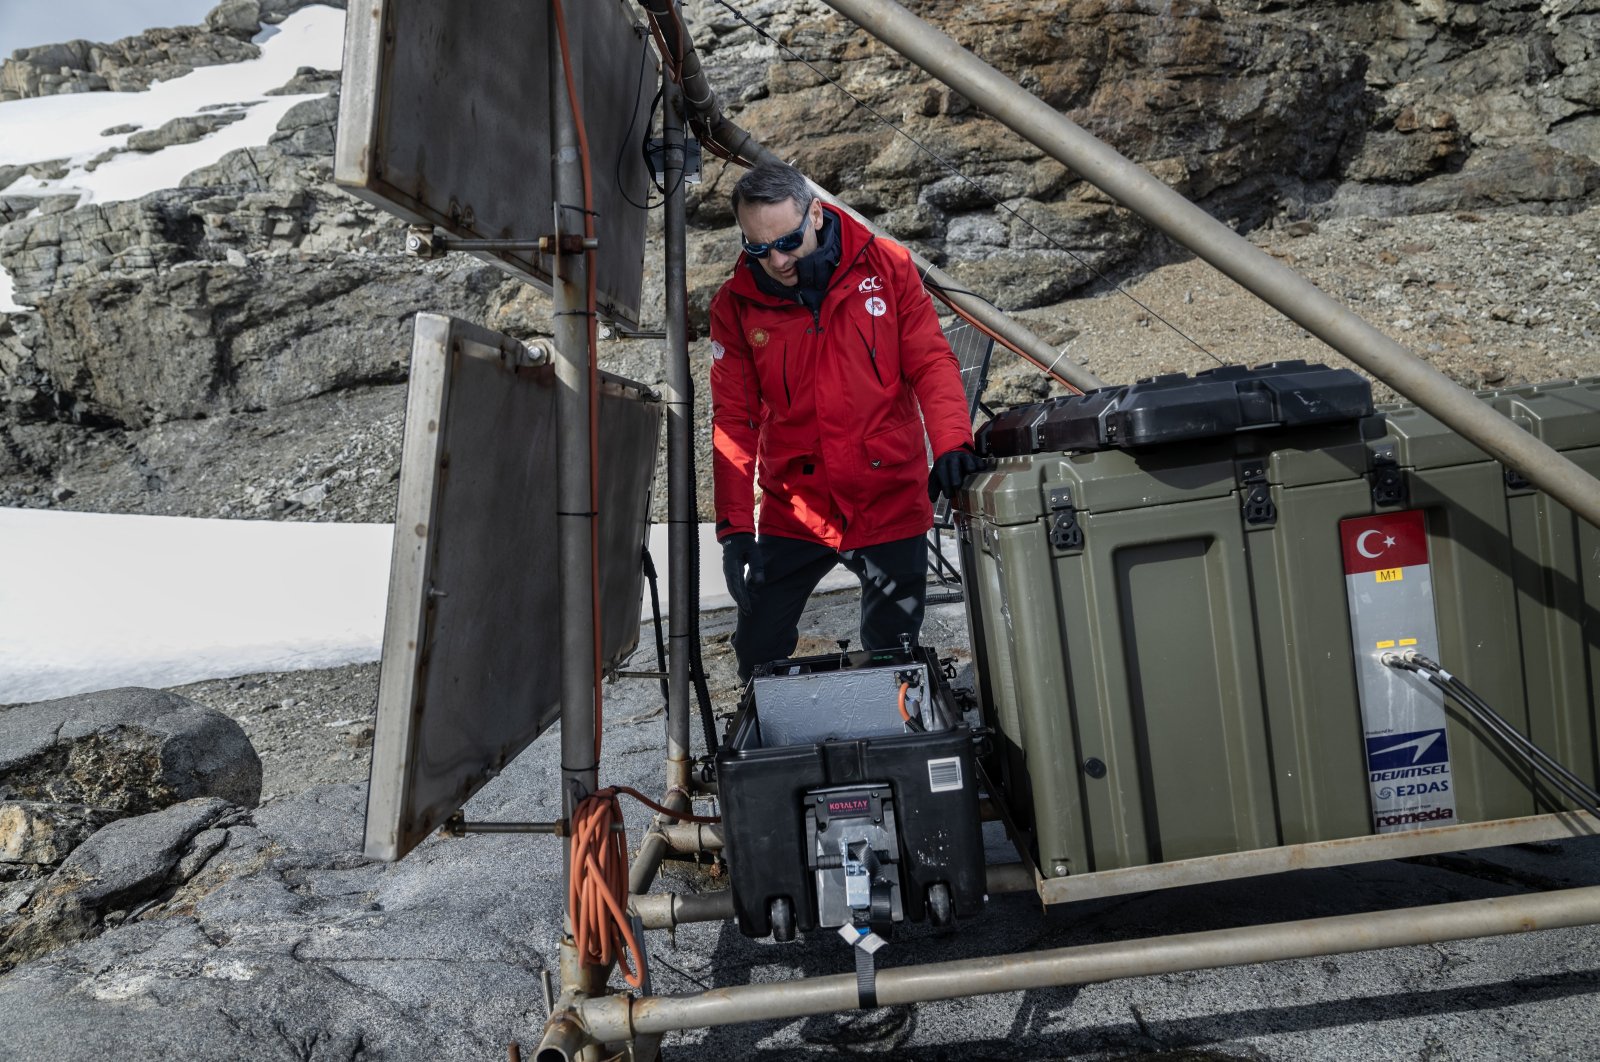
(697, 667)
(1553, 771)
(655, 610)
(1576, 788)
(1453, 685)
(633, 120)
(986, 193)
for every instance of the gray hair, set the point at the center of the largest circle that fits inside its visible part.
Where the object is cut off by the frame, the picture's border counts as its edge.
(772, 182)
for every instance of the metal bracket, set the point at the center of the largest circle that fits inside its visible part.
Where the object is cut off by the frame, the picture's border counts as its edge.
(1065, 533)
(457, 826)
(1255, 503)
(426, 242)
(1388, 482)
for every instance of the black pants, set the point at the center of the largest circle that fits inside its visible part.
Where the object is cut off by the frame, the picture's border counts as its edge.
(894, 586)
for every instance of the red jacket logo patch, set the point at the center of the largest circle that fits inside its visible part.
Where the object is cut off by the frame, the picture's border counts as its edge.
(759, 337)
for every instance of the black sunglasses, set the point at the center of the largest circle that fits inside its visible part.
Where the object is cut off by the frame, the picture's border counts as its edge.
(785, 243)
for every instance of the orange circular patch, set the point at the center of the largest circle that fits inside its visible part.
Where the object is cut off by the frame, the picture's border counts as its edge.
(759, 337)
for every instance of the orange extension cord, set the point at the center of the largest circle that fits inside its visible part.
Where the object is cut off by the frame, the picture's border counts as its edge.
(597, 888)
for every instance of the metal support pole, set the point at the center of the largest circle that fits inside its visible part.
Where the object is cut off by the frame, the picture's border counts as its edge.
(693, 837)
(683, 600)
(613, 1017)
(1258, 272)
(575, 517)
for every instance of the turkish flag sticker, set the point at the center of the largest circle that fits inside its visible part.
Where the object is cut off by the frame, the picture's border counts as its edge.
(1393, 540)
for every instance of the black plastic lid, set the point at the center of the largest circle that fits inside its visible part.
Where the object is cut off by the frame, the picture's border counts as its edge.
(1176, 407)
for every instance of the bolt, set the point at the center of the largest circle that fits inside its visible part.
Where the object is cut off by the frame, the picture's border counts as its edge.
(1060, 868)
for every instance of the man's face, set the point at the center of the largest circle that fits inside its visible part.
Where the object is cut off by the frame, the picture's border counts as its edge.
(765, 222)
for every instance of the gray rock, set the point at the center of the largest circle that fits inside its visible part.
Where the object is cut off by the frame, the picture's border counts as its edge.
(103, 158)
(118, 130)
(118, 868)
(275, 11)
(287, 943)
(183, 130)
(39, 833)
(128, 65)
(310, 497)
(1393, 156)
(236, 18)
(306, 80)
(131, 750)
(210, 338)
(53, 170)
(307, 128)
(1019, 280)
(1490, 178)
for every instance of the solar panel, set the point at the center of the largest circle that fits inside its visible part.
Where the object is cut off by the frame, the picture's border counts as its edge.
(972, 349)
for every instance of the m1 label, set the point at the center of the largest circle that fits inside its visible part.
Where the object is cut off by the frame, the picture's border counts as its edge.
(1389, 585)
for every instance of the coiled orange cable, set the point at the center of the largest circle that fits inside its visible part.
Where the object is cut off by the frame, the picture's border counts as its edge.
(597, 888)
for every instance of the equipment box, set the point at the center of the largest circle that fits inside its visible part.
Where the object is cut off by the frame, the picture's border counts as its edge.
(849, 796)
(1178, 646)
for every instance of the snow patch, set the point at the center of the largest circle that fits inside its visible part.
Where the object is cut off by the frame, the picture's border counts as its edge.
(69, 126)
(92, 601)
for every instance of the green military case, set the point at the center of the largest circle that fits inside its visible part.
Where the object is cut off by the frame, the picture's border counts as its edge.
(1163, 643)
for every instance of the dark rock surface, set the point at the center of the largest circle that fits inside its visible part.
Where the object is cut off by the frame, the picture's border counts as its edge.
(36, 833)
(271, 936)
(257, 286)
(221, 337)
(184, 130)
(129, 750)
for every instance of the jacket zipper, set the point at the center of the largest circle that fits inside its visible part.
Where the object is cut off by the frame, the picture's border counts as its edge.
(872, 348)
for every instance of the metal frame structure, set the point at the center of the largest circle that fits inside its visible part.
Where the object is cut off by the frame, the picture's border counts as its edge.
(583, 1020)
(584, 1017)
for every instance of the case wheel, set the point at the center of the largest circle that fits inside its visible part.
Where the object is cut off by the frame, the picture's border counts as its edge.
(940, 912)
(781, 911)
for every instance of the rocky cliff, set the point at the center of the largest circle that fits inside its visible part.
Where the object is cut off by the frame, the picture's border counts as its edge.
(256, 293)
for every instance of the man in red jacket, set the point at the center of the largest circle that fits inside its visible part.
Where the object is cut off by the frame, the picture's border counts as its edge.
(825, 346)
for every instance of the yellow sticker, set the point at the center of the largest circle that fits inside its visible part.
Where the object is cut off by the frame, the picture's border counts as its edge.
(1390, 575)
(1386, 645)
(1408, 641)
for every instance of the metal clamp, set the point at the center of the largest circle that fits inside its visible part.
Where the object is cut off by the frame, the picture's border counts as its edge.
(424, 241)
(1388, 482)
(1065, 532)
(1255, 504)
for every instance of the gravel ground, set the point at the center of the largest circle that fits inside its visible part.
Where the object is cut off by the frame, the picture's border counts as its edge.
(1490, 299)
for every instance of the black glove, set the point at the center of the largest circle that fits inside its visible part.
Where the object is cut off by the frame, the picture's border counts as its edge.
(949, 470)
(740, 551)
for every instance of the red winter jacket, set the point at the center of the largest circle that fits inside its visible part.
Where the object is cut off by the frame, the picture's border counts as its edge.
(824, 412)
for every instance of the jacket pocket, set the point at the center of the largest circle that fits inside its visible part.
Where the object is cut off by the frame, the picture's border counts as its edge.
(896, 445)
(778, 463)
